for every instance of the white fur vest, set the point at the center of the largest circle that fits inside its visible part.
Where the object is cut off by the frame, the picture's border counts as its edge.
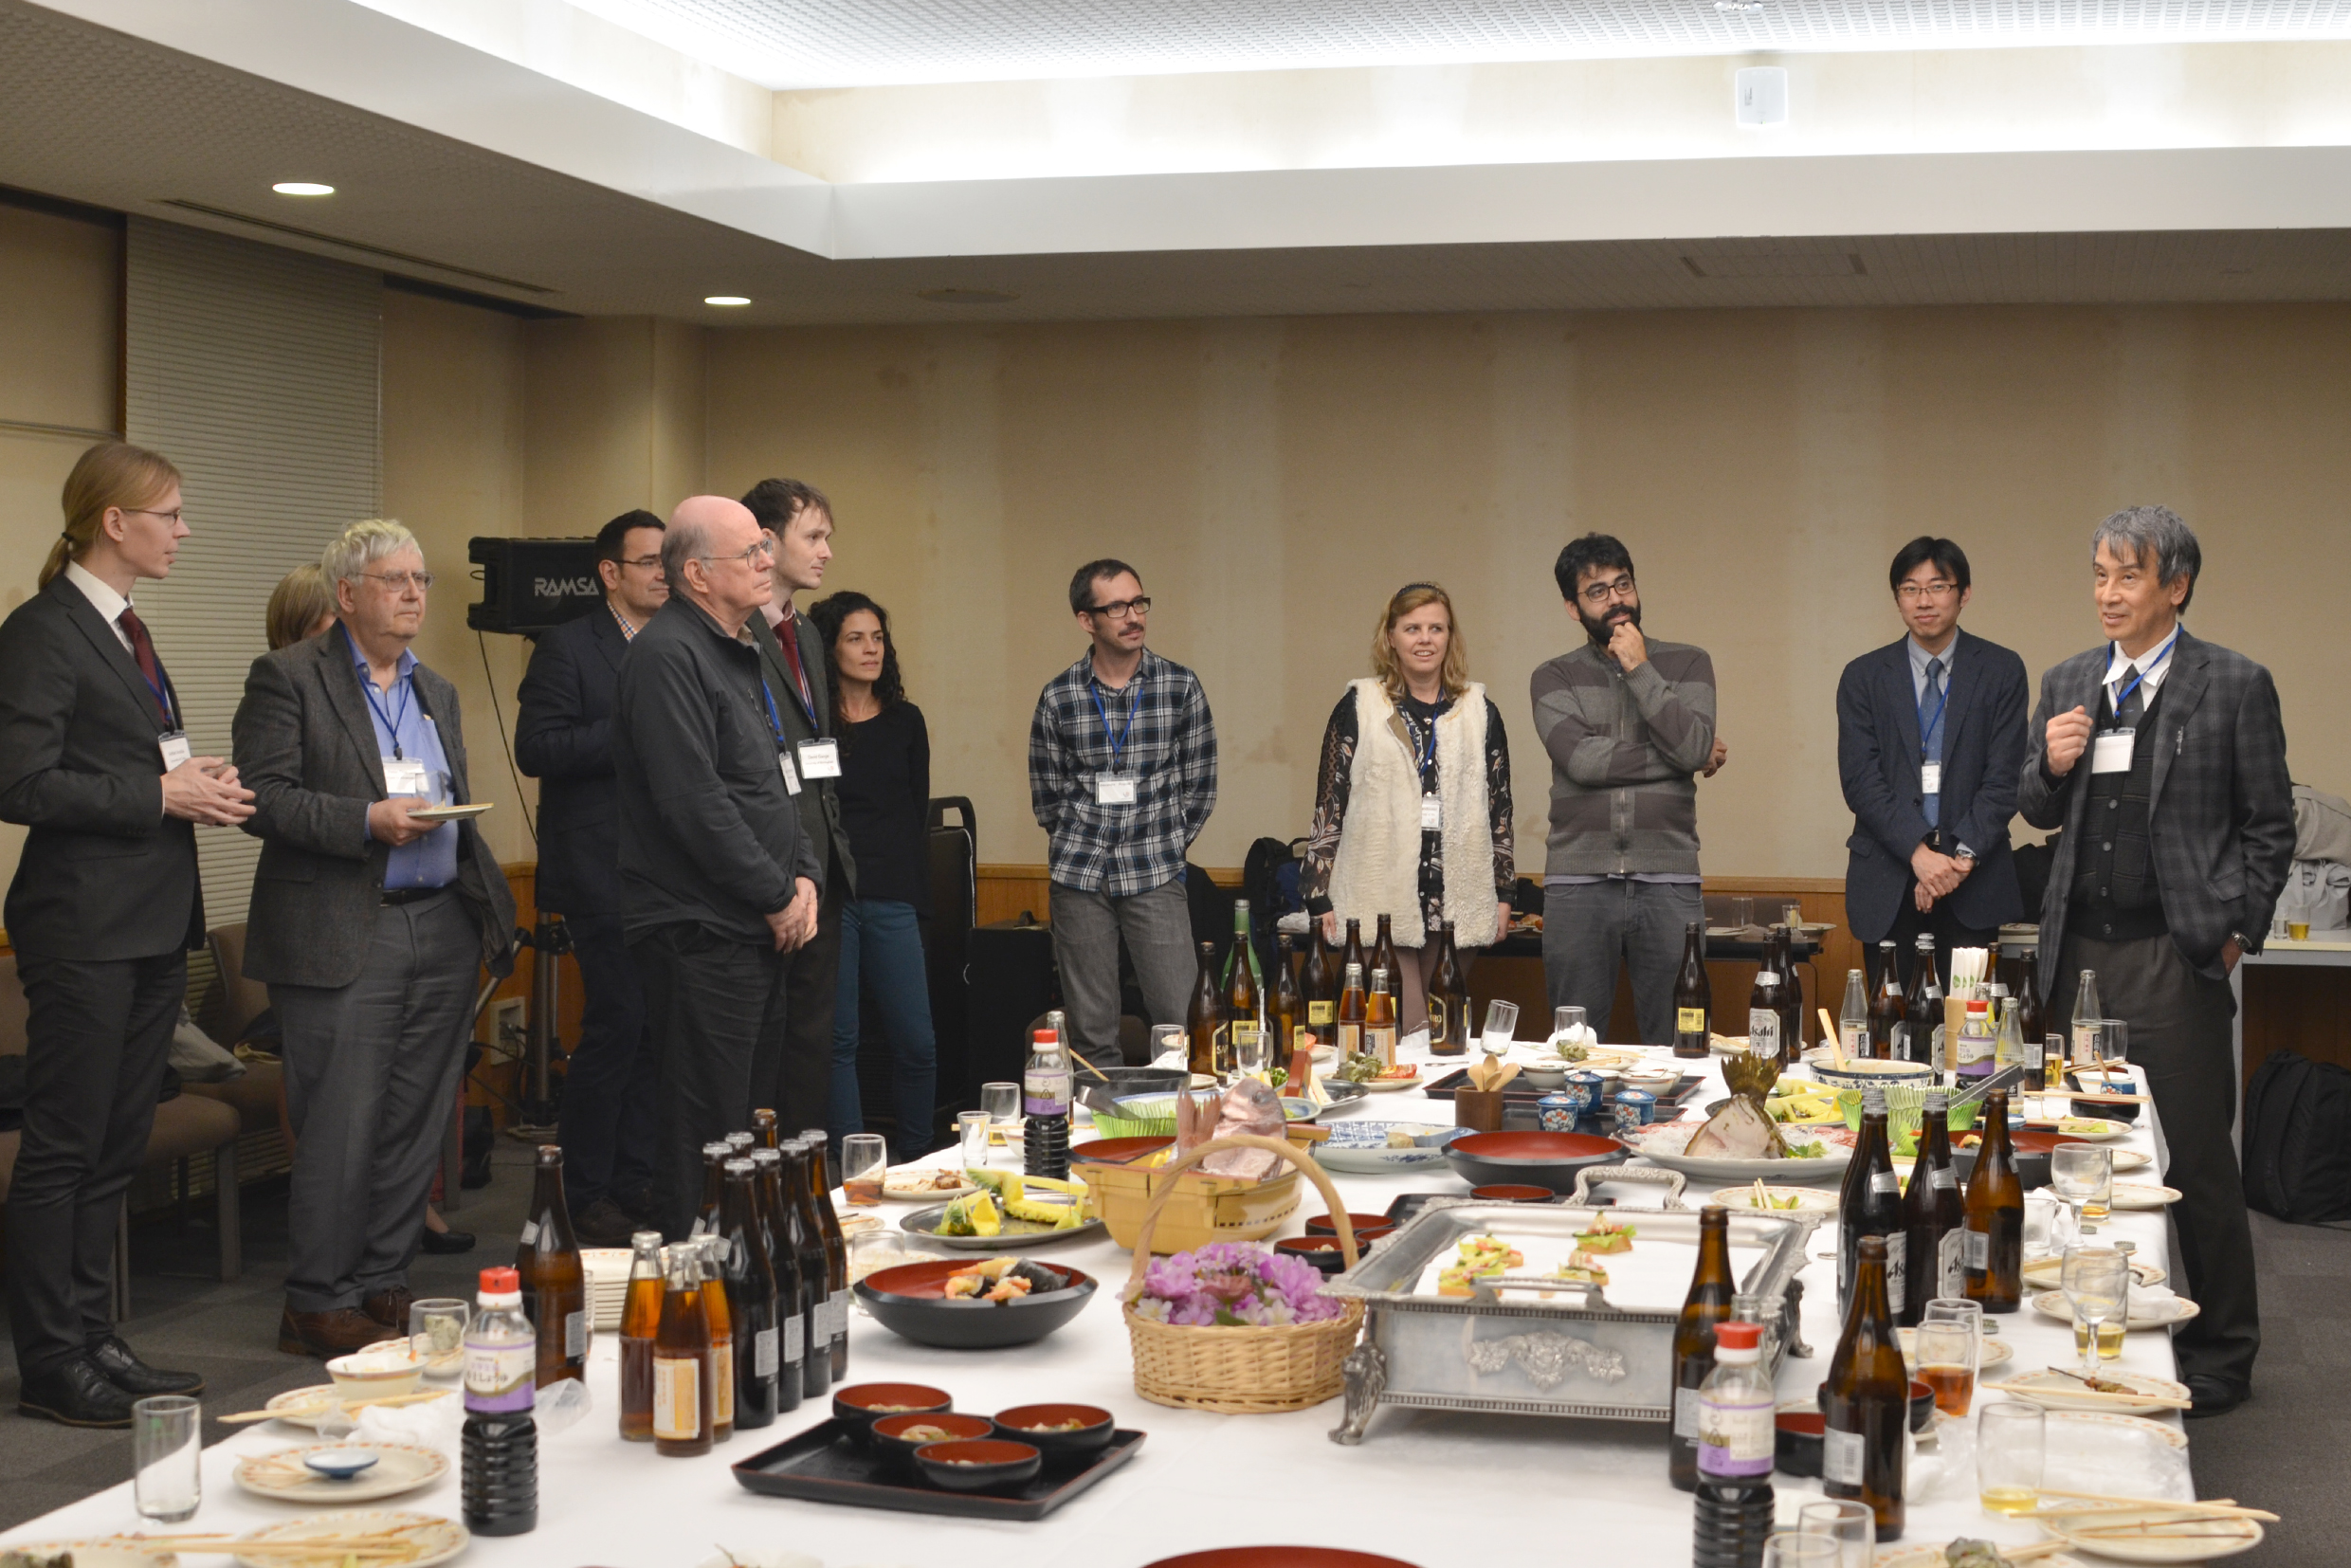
(1376, 869)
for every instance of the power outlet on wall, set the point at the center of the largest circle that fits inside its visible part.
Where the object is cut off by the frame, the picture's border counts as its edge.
(510, 1026)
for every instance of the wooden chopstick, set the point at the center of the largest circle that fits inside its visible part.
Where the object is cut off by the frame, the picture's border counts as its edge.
(321, 1407)
(2214, 1509)
(2152, 1402)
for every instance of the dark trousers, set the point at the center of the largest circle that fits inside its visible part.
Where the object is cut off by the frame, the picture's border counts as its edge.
(1590, 927)
(716, 1004)
(1909, 924)
(371, 1083)
(96, 1036)
(2179, 1038)
(885, 982)
(799, 1090)
(607, 1126)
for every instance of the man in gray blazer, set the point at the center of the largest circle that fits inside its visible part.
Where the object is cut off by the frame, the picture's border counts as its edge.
(2163, 757)
(370, 925)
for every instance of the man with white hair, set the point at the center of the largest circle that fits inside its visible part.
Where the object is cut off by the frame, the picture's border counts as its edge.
(718, 882)
(370, 925)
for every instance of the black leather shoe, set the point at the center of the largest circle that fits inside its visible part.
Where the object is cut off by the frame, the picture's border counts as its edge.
(2214, 1395)
(448, 1241)
(604, 1223)
(136, 1378)
(74, 1394)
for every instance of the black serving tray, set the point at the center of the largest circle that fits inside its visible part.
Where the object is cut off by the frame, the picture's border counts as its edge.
(823, 1465)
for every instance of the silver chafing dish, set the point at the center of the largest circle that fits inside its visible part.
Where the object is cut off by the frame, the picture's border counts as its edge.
(1573, 1355)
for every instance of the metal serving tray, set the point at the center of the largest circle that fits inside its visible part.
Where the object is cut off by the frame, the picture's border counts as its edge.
(1575, 1355)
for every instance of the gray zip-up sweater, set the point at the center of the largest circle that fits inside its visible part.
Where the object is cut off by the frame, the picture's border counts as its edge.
(1625, 750)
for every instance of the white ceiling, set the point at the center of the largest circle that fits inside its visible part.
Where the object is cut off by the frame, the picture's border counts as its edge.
(863, 43)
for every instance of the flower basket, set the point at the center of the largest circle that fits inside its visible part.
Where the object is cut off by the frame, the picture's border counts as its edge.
(1250, 1370)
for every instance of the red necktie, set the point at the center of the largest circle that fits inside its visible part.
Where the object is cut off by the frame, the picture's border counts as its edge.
(143, 649)
(787, 635)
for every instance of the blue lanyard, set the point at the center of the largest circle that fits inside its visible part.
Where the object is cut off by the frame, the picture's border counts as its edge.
(1425, 751)
(2142, 671)
(392, 725)
(1926, 725)
(774, 720)
(163, 693)
(1133, 701)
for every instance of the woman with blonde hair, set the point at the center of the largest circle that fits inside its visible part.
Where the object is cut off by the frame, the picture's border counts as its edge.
(300, 607)
(1411, 815)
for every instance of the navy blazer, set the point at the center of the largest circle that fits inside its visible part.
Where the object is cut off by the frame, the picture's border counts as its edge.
(563, 738)
(1983, 747)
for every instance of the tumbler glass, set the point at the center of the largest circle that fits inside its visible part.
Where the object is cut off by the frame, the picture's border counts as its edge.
(2010, 1444)
(1502, 1022)
(972, 1131)
(437, 1329)
(865, 1163)
(1001, 1101)
(1168, 1049)
(1947, 1352)
(1792, 1549)
(1852, 1526)
(1742, 913)
(167, 1449)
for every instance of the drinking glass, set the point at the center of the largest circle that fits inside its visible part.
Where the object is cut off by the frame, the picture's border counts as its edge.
(1852, 1526)
(2052, 1067)
(2082, 1174)
(166, 1449)
(1502, 1022)
(1742, 913)
(871, 1251)
(1792, 915)
(1566, 1020)
(2094, 1280)
(1001, 1101)
(1252, 1054)
(2298, 931)
(971, 1130)
(2010, 1444)
(2113, 1040)
(865, 1159)
(437, 1329)
(1790, 1549)
(1955, 1309)
(1167, 1039)
(1947, 1350)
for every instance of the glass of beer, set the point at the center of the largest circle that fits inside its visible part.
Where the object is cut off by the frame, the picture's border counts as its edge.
(865, 1164)
(2095, 1280)
(1947, 1349)
(2011, 1445)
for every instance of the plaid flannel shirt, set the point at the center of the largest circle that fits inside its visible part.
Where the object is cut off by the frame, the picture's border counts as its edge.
(1170, 751)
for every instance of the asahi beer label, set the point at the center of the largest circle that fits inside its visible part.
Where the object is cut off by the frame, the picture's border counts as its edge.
(1763, 1032)
(764, 1351)
(1951, 1263)
(1897, 1270)
(795, 1340)
(1841, 1457)
(575, 1335)
(1686, 1415)
(1978, 1251)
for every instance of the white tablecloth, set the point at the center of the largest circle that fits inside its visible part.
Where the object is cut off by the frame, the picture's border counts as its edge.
(1434, 1488)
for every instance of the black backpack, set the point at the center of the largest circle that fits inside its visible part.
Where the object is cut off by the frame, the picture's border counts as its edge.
(2298, 1140)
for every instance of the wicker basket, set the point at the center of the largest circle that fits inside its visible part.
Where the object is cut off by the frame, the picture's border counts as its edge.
(1245, 1370)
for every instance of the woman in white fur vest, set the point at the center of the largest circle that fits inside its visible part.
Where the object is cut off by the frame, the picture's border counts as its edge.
(1411, 813)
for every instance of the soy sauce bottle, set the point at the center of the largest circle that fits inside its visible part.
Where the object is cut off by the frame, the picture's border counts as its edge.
(1735, 1447)
(498, 1480)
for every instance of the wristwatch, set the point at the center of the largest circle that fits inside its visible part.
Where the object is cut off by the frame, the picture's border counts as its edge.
(2246, 946)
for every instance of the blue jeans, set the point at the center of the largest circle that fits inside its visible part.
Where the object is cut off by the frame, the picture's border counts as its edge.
(882, 966)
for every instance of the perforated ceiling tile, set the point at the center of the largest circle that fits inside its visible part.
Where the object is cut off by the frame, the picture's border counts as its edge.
(848, 42)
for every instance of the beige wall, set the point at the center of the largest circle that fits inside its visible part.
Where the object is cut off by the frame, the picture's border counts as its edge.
(1275, 478)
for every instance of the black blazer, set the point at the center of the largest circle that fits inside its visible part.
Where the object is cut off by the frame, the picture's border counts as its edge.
(563, 738)
(104, 874)
(819, 799)
(1983, 745)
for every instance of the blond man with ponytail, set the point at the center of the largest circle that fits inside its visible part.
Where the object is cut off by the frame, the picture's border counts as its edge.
(104, 906)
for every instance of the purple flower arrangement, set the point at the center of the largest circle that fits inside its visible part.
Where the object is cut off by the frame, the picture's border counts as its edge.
(1233, 1285)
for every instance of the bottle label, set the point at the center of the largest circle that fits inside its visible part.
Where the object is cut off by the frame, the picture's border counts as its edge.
(1897, 1270)
(1690, 1020)
(499, 1377)
(722, 1383)
(1899, 1038)
(1951, 1263)
(795, 1340)
(1763, 1033)
(1321, 1015)
(1978, 1251)
(1245, 1033)
(1045, 1094)
(1841, 1457)
(1884, 1181)
(1380, 1042)
(1735, 1439)
(575, 1336)
(530, 1232)
(1437, 1036)
(677, 1398)
(1686, 1415)
(1350, 1041)
(841, 1303)
(1974, 1045)
(1934, 1050)
(764, 1351)
(2084, 1043)
(1944, 1180)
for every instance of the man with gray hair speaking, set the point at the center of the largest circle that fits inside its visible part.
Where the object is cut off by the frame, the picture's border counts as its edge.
(2163, 758)
(716, 877)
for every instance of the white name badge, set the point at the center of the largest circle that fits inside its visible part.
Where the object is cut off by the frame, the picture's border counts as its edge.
(405, 777)
(792, 780)
(820, 760)
(1930, 779)
(2112, 752)
(1113, 789)
(175, 749)
(1431, 814)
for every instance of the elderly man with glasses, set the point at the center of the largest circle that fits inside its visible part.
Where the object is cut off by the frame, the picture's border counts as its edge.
(1122, 774)
(370, 924)
(718, 882)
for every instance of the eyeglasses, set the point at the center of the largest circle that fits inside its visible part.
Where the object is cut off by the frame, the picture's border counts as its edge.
(1123, 609)
(1913, 593)
(764, 549)
(1600, 593)
(150, 512)
(400, 582)
(643, 563)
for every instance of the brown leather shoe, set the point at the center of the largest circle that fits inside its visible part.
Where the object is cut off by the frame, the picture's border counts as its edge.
(390, 1307)
(324, 1334)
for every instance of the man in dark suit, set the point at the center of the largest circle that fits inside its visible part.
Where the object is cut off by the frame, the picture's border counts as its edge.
(718, 880)
(791, 654)
(563, 736)
(2163, 757)
(102, 911)
(1930, 734)
(370, 925)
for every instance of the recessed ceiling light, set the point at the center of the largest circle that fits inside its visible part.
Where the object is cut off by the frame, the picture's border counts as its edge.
(726, 300)
(302, 188)
(966, 295)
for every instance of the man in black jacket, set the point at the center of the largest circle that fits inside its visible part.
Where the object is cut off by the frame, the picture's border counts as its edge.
(563, 736)
(718, 880)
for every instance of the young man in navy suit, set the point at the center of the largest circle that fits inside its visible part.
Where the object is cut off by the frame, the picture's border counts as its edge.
(1930, 736)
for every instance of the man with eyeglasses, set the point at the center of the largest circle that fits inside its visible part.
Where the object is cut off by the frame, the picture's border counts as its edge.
(718, 880)
(370, 924)
(1122, 774)
(563, 737)
(1930, 736)
(1629, 726)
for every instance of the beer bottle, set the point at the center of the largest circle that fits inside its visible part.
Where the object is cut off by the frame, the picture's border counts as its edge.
(554, 1281)
(639, 1325)
(767, 1169)
(1871, 1206)
(1693, 1009)
(1922, 1023)
(2029, 1026)
(1384, 951)
(705, 1250)
(808, 1242)
(1286, 1005)
(1379, 1021)
(714, 1187)
(836, 1241)
(1448, 999)
(683, 1397)
(764, 1128)
(1888, 1014)
(1934, 1216)
(1866, 1404)
(1204, 1021)
(1244, 997)
(1707, 1304)
(1319, 986)
(1763, 1042)
(1351, 1015)
(750, 1282)
(1351, 952)
(1790, 999)
(1996, 1214)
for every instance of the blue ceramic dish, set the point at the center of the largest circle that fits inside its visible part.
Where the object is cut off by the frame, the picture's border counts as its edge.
(1559, 1113)
(1640, 1102)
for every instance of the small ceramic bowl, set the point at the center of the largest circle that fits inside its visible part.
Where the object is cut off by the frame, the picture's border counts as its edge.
(1323, 1224)
(1798, 1439)
(975, 1463)
(1921, 1405)
(1640, 1102)
(1511, 1192)
(1545, 1078)
(338, 1464)
(378, 1372)
(1655, 1080)
(890, 1433)
(1047, 1428)
(1321, 1249)
(862, 1404)
(1559, 1113)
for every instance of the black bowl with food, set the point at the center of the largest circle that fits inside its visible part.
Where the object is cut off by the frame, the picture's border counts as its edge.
(898, 1436)
(974, 1304)
(975, 1464)
(1060, 1433)
(1322, 1250)
(1529, 1158)
(2103, 1083)
(860, 1405)
(1798, 1437)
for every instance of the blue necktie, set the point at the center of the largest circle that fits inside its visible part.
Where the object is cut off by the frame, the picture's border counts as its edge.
(1930, 733)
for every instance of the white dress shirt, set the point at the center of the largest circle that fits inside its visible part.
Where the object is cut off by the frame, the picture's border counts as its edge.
(109, 604)
(2154, 665)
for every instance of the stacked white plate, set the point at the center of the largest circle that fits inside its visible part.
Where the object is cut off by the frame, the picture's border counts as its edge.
(607, 1283)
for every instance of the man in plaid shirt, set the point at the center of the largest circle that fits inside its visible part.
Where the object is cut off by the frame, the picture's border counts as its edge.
(1122, 773)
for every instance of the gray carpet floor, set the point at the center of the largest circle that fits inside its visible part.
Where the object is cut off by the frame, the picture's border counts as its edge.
(2282, 1451)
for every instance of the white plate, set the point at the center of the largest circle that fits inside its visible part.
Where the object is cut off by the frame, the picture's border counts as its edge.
(294, 1398)
(1988, 1353)
(2048, 1273)
(2053, 1303)
(2137, 1427)
(399, 1468)
(1809, 1201)
(925, 1195)
(1933, 1556)
(2143, 1194)
(1367, 1152)
(2130, 1160)
(2108, 1131)
(99, 1552)
(1662, 1145)
(2215, 1538)
(1390, 1085)
(440, 1538)
(2055, 1390)
(450, 813)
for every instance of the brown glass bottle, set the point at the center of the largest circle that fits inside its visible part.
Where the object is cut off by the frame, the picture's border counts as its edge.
(767, 1175)
(1380, 1020)
(1922, 1021)
(750, 1282)
(1763, 1014)
(1204, 1022)
(837, 1242)
(1791, 1000)
(714, 1187)
(1934, 1216)
(1866, 1401)
(808, 1244)
(1890, 1007)
(1384, 950)
(1449, 997)
(640, 1327)
(705, 1250)
(1243, 998)
(1708, 1303)
(1286, 1006)
(1996, 1214)
(1870, 1205)
(1351, 952)
(1318, 987)
(1693, 1013)
(764, 1128)
(554, 1281)
(683, 1397)
(2030, 1023)
(1350, 1015)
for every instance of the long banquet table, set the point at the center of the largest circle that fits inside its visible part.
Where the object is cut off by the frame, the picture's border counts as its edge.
(1436, 1489)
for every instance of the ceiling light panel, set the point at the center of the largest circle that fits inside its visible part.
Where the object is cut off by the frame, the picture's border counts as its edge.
(861, 43)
